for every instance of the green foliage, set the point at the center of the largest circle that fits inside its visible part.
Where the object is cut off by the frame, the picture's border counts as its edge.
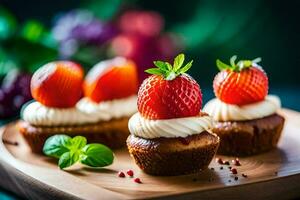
(72, 150)
(241, 65)
(168, 71)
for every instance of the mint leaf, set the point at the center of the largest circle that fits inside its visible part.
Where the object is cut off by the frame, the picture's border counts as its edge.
(97, 155)
(178, 61)
(57, 145)
(186, 67)
(154, 71)
(221, 65)
(78, 142)
(68, 159)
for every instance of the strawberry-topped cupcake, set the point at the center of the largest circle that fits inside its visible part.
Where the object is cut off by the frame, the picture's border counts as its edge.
(169, 133)
(101, 115)
(246, 117)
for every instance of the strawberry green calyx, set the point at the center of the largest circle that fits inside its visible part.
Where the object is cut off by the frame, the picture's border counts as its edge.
(170, 72)
(239, 66)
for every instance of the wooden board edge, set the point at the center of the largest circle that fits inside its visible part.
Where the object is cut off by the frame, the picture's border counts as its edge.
(17, 173)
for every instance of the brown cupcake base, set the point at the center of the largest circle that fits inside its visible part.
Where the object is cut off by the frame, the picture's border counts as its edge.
(112, 133)
(243, 138)
(173, 156)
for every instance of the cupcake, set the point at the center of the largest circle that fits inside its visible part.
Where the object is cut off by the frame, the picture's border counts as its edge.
(101, 115)
(246, 117)
(169, 133)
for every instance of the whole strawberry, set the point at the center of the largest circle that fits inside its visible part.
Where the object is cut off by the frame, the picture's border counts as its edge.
(242, 83)
(169, 92)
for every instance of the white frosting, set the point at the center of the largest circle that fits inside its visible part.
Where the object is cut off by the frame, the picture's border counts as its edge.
(85, 112)
(37, 114)
(221, 111)
(169, 128)
(107, 110)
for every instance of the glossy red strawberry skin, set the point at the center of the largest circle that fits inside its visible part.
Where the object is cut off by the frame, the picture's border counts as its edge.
(58, 84)
(240, 88)
(159, 98)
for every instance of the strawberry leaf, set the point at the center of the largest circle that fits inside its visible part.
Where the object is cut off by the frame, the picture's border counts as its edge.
(167, 70)
(170, 67)
(232, 60)
(161, 65)
(178, 61)
(222, 66)
(186, 67)
(236, 67)
(155, 71)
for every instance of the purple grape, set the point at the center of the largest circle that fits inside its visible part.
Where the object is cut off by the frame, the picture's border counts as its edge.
(14, 93)
(18, 101)
(84, 27)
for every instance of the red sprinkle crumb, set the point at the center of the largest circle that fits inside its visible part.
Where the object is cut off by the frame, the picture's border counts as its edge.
(137, 180)
(245, 175)
(226, 163)
(130, 172)
(121, 174)
(233, 171)
(219, 160)
(236, 162)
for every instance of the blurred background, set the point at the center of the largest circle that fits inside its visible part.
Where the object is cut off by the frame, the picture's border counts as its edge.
(35, 32)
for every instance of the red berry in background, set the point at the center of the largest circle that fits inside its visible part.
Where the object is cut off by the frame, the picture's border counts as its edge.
(58, 84)
(169, 92)
(145, 23)
(240, 84)
(111, 79)
(142, 40)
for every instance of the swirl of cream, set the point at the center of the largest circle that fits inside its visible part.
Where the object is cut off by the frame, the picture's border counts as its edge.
(168, 128)
(85, 112)
(221, 111)
(37, 114)
(107, 110)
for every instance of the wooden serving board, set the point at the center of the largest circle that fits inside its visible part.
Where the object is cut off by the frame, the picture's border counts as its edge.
(272, 174)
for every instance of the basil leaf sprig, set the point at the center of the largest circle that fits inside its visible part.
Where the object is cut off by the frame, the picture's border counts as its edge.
(72, 150)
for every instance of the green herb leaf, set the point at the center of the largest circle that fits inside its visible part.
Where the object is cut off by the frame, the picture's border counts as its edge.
(71, 150)
(97, 155)
(186, 67)
(57, 145)
(256, 60)
(222, 66)
(161, 65)
(167, 70)
(232, 60)
(178, 62)
(78, 142)
(236, 67)
(155, 71)
(170, 67)
(68, 159)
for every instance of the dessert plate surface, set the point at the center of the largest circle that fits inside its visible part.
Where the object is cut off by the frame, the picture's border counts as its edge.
(269, 175)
